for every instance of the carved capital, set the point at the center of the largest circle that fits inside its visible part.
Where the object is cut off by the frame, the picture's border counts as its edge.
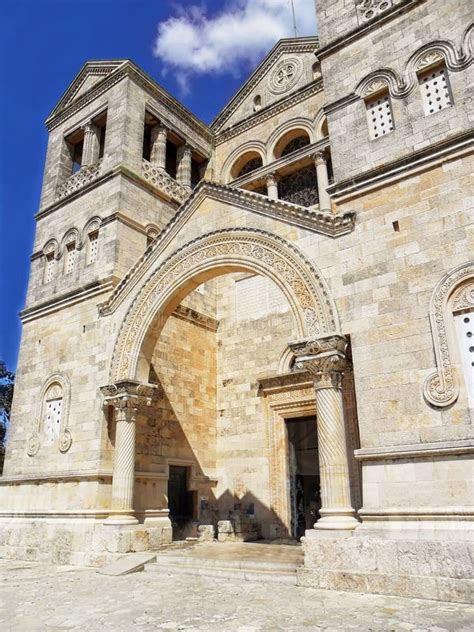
(127, 394)
(87, 127)
(325, 359)
(319, 158)
(272, 179)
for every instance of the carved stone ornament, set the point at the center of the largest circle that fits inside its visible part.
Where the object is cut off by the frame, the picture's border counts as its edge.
(324, 358)
(32, 445)
(429, 59)
(128, 394)
(83, 177)
(65, 440)
(164, 182)
(453, 293)
(285, 75)
(368, 9)
(307, 294)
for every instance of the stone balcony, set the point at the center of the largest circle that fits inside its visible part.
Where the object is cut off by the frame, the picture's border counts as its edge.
(78, 180)
(167, 185)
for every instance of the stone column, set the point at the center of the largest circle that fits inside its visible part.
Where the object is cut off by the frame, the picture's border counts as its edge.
(126, 397)
(323, 181)
(90, 147)
(183, 172)
(159, 134)
(272, 186)
(325, 360)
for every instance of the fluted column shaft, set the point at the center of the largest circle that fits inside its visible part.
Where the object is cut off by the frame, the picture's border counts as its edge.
(322, 180)
(125, 398)
(159, 134)
(272, 186)
(90, 145)
(183, 173)
(325, 360)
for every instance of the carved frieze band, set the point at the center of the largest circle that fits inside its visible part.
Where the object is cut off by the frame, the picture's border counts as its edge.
(453, 293)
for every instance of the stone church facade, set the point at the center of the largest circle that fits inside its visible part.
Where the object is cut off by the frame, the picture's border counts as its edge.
(262, 327)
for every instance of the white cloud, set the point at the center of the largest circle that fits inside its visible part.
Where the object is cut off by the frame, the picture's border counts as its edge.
(230, 41)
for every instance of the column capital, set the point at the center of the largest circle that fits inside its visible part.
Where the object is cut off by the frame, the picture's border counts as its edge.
(127, 394)
(324, 358)
(87, 127)
(319, 158)
(272, 178)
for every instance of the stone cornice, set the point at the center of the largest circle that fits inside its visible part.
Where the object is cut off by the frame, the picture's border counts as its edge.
(71, 475)
(458, 145)
(268, 112)
(281, 163)
(319, 222)
(284, 382)
(366, 27)
(82, 293)
(196, 318)
(290, 45)
(416, 450)
(129, 69)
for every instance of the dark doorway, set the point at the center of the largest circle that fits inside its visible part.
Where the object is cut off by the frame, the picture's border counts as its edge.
(180, 500)
(305, 495)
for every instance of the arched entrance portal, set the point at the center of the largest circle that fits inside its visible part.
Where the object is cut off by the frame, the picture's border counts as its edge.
(136, 387)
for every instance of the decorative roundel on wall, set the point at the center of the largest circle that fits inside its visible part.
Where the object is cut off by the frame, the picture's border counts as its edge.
(285, 75)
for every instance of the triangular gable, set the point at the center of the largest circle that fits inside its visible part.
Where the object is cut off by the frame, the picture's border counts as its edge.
(297, 45)
(90, 74)
(317, 221)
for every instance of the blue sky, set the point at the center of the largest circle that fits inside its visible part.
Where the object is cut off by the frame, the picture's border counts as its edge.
(200, 51)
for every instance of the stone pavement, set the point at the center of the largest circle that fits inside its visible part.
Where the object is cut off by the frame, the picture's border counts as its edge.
(47, 598)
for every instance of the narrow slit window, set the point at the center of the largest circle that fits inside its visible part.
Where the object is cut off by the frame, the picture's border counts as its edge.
(93, 246)
(70, 257)
(49, 274)
(435, 90)
(379, 115)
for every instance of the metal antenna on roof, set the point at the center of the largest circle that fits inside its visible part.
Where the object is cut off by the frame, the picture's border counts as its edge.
(295, 30)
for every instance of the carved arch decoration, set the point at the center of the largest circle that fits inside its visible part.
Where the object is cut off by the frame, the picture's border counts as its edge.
(320, 125)
(252, 146)
(298, 124)
(456, 288)
(57, 384)
(381, 79)
(72, 236)
(207, 256)
(51, 247)
(92, 226)
(432, 54)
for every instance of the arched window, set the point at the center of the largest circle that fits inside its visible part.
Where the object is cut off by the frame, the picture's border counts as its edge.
(291, 141)
(463, 314)
(92, 241)
(246, 163)
(49, 252)
(70, 252)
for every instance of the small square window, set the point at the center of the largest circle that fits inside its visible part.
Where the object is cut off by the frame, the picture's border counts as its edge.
(379, 115)
(435, 90)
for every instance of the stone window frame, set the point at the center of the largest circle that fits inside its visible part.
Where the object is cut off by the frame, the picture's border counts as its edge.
(60, 380)
(91, 230)
(50, 253)
(70, 241)
(453, 294)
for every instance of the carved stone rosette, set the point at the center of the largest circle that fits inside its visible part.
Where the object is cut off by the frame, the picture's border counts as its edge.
(325, 360)
(126, 397)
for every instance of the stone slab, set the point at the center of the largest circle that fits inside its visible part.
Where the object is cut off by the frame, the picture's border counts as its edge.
(127, 564)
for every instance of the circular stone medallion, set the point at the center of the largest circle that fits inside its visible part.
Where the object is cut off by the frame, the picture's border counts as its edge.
(285, 75)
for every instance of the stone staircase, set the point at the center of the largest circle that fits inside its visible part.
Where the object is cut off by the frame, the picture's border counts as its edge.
(243, 561)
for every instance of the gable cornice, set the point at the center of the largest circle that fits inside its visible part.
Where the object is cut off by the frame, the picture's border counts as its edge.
(324, 223)
(284, 46)
(129, 69)
(271, 110)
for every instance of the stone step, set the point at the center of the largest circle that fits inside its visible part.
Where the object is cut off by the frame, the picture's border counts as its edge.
(230, 564)
(223, 570)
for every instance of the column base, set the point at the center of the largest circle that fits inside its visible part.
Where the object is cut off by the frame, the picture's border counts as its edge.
(340, 519)
(118, 518)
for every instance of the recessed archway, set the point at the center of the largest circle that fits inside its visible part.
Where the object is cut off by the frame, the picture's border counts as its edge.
(208, 256)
